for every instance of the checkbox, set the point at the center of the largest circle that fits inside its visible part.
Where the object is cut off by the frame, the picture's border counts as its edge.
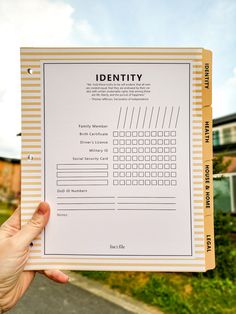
(153, 133)
(166, 133)
(128, 158)
(128, 182)
(160, 182)
(115, 166)
(122, 150)
(128, 142)
(153, 141)
(160, 133)
(134, 150)
(173, 174)
(115, 133)
(141, 142)
(160, 174)
(173, 133)
(134, 174)
(160, 149)
(115, 142)
(173, 182)
(141, 150)
(115, 182)
(122, 158)
(141, 158)
(140, 133)
(147, 133)
(160, 141)
(134, 158)
(166, 150)
(140, 182)
(166, 157)
(147, 174)
(134, 166)
(167, 174)
(141, 166)
(160, 157)
(153, 174)
(147, 182)
(173, 158)
(147, 149)
(115, 150)
(173, 142)
(122, 182)
(167, 182)
(115, 174)
(128, 133)
(147, 166)
(153, 166)
(153, 157)
(134, 142)
(147, 158)
(128, 150)
(122, 166)
(122, 174)
(173, 149)
(134, 182)
(122, 142)
(153, 182)
(166, 142)
(134, 133)
(173, 166)
(160, 166)
(147, 142)
(128, 174)
(115, 158)
(153, 149)
(167, 166)
(122, 134)
(141, 174)
(128, 166)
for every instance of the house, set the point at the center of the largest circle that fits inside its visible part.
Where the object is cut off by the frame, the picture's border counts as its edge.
(10, 184)
(224, 143)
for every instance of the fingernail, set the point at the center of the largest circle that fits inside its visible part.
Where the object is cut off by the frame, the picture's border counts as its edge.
(42, 208)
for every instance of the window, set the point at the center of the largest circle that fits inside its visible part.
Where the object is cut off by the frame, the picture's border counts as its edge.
(227, 135)
(216, 138)
(225, 192)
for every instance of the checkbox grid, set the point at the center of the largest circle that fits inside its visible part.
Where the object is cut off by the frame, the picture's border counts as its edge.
(144, 158)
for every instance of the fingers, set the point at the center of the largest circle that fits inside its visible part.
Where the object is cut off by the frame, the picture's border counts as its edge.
(12, 224)
(35, 226)
(55, 275)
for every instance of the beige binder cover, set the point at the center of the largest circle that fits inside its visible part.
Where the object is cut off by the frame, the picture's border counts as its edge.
(119, 142)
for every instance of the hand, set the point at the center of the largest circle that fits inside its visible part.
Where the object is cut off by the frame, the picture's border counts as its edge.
(14, 251)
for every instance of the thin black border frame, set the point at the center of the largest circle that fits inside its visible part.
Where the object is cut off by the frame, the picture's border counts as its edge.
(190, 155)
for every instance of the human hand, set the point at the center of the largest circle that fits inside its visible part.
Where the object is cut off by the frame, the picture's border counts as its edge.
(14, 251)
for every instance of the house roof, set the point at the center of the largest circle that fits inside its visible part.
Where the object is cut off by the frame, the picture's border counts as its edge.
(11, 160)
(224, 120)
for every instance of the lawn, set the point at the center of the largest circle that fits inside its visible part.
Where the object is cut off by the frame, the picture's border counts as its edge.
(5, 212)
(213, 292)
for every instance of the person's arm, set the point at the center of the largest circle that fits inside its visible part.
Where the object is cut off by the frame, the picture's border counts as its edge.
(14, 249)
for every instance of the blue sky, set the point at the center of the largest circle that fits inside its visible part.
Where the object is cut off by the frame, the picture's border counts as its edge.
(209, 24)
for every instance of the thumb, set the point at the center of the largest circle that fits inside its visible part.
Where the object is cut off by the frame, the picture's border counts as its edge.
(35, 226)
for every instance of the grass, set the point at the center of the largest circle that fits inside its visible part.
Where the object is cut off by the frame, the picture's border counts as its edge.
(5, 212)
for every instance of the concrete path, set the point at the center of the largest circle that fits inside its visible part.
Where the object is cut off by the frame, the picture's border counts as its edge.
(47, 297)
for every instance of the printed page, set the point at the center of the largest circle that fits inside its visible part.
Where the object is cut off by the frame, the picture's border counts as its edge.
(117, 158)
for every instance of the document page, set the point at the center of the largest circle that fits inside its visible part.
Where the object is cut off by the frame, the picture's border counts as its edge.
(116, 172)
(119, 142)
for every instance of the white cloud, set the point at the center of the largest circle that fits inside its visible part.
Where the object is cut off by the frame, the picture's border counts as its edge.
(30, 23)
(224, 97)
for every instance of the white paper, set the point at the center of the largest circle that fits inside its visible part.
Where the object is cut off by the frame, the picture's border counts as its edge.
(116, 158)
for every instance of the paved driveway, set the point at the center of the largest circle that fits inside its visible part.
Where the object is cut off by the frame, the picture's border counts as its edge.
(45, 296)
